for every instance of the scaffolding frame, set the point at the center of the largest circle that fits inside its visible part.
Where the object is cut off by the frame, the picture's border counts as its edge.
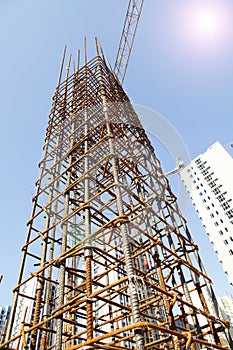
(107, 251)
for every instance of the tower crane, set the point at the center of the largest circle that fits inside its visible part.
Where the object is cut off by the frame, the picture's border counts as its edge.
(127, 38)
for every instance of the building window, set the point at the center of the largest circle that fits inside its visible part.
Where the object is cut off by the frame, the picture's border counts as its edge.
(231, 252)
(198, 161)
(226, 229)
(204, 200)
(221, 221)
(208, 208)
(208, 178)
(216, 190)
(231, 238)
(205, 172)
(216, 223)
(220, 232)
(212, 215)
(200, 194)
(197, 187)
(230, 214)
(212, 184)
(225, 205)
(225, 241)
(221, 198)
(201, 166)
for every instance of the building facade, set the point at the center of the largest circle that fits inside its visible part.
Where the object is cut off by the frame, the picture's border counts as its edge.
(226, 306)
(4, 316)
(25, 306)
(208, 180)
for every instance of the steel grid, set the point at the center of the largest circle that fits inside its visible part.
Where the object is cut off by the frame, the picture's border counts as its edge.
(108, 253)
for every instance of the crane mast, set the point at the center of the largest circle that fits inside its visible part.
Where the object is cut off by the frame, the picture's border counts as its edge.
(127, 38)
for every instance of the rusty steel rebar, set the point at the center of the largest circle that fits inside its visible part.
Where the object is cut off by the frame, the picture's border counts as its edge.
(115, 265)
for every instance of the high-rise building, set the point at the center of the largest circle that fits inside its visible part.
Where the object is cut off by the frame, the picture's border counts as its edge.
(114, 262)
(226, 307)
(4, 316)
(209, 182)
(25, 309)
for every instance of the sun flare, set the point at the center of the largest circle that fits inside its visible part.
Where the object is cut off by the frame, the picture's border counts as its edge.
(206, 25)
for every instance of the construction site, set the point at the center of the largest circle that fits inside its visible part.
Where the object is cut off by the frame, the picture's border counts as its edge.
(108, 261)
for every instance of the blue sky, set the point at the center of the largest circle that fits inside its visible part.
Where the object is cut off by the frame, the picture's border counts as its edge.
(185, 76)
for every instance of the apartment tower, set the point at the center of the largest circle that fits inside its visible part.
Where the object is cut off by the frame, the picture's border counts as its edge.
(208, 180)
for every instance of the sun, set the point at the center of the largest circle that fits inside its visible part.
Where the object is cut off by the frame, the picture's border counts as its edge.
(206, 25)
(197, 30)
(207, 22)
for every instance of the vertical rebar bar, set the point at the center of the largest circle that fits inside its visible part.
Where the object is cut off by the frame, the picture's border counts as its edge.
(87, 251)
(62, 268)
(123, 226)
